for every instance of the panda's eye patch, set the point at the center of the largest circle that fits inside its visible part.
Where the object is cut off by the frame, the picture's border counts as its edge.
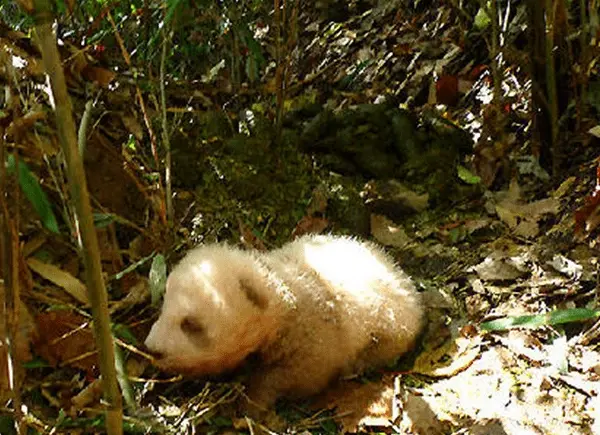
(190, 325)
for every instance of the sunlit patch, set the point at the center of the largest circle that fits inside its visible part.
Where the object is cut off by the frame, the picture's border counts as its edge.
(206, 268)
(46, 89)
(18, 62)
(350, 269)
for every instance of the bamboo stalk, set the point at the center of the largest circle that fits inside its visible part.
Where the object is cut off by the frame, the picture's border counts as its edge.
(83, 211)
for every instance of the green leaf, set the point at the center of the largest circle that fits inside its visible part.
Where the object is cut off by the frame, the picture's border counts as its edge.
(34, 193)
(7, 425)
(556, 317)
(482, 19)
(130, 268)
(455, 235)
(221, 421)
(467, 176)
(124, 333)
(255, 59)
(102, 220)
(35, 363)
(157, 278)
(329, 427)
(172, 6)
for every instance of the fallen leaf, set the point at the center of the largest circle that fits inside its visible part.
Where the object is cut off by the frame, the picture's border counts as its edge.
(449, 359)
(24, 124)
(420, 418)
(523, 218)
(564, 188)
(387, 232)
(507, 216)
(567, 267)
(527, 229)
(65, 337)
(61, 278)
(499, 269)
(523, 344)
(540, 208)
(101, 76)
(21, 348)
(595, 131)
(89, 396)
(137, 294)
(446, 90)
(392, 191)
(133, 126)
(360, 404)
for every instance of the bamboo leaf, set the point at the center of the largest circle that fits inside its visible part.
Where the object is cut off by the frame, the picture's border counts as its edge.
(467, 176)
(157, 278)
(34, 193)
(555, 317)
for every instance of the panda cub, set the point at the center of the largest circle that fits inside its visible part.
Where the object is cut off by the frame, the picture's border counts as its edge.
(318, 308)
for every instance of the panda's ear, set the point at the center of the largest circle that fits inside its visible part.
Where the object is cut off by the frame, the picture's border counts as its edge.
(254, 294)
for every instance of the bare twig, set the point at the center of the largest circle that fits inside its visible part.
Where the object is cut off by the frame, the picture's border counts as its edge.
(165, 128)
(147, 122)
(551, 83)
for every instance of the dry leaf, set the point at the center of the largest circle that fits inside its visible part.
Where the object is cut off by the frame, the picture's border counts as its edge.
(66, 338)
(419, 418)
(138, 293)
(387, 232)
(564, 188)
(89, 396)
(451, 358)
(22, 346)
(393, 191)
(101, 76)
(133, 126)
(22, 125)
(527, 229)
(33, 244)
(499, 269)
(360, 404)
(523, 218)
(507, 216)
(61, 278)
(446, 90)
(542, 207)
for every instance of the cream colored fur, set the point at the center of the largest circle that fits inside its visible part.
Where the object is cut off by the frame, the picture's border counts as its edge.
(315, 309)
